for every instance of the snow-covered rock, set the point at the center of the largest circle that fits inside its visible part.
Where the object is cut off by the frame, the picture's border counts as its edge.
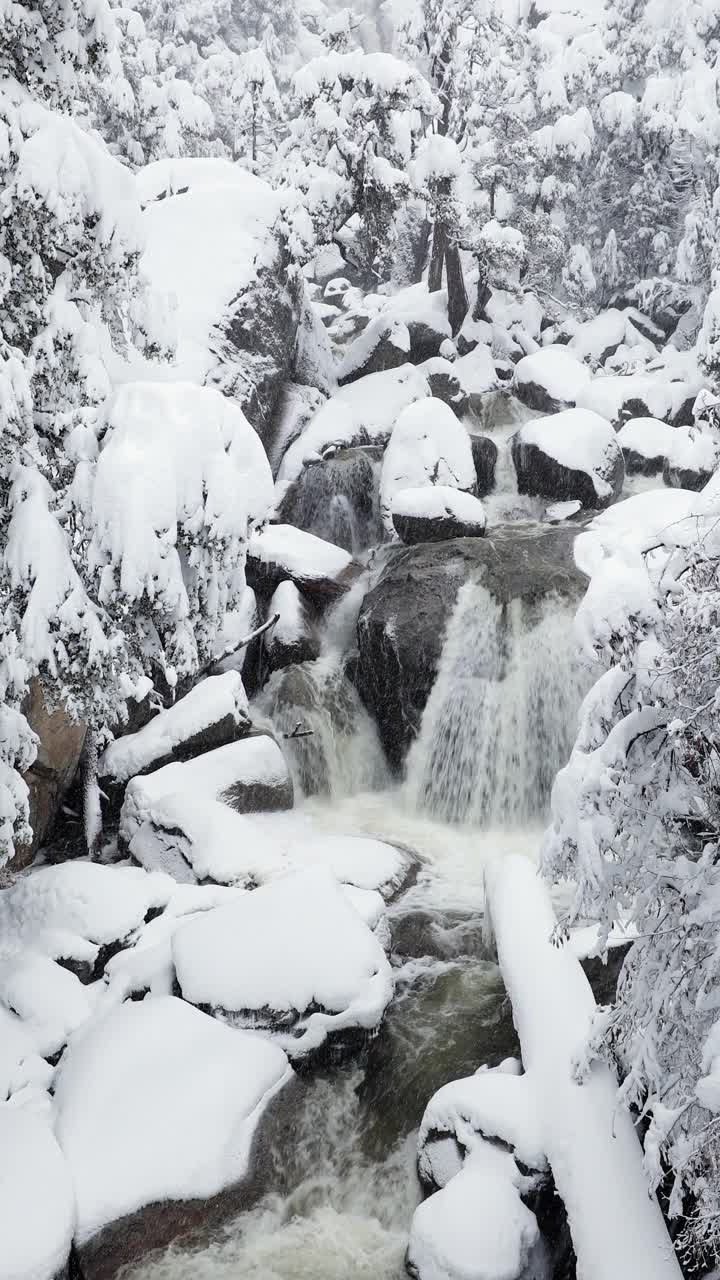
(50, 1001)
(646, 444)
(570, 455)
(476, 1227)
(412, 326)
(155, 1101)
(189, 819)
(653, 394)
(437, 513)
(551, 380)
(692, 458)
(293, 956)
(599, 338)
(280, 551)
(428, 446)
(477, 376)
(209, 716)
(71, 910)
(211, 247)
(384, 344)
(361, 413)
(37, 1202)
(293, 638)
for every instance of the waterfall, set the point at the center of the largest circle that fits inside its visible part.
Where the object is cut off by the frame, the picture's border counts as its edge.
(337, 499)
(501, 718)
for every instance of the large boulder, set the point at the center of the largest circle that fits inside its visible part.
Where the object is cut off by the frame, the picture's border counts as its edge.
(646, 444)
(437, 514)
(384, 344)
(336, 498)
(211, 245)
(157, 1104)
(550, 380)
(190, 819)
(428, 447)
(570, 455)
(60, 743)
(293, 957)
(402, 620)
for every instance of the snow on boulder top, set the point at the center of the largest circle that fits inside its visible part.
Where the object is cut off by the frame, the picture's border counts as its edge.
(176, 458)
(437, 502)
(217, 699)
(648, 437)
(428, 446)
(551, 379)
(661, 393)
(52, 909)
(37, 1203)
(579, 441)
(598, 338)
(281, 551)
(288, 947)
(203, 248)
(362, 412)
(156, 1101)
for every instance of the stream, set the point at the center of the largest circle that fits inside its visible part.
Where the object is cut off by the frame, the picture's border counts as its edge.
(340, 1182)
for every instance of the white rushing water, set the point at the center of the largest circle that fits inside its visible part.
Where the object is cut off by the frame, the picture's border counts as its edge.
(501, 718)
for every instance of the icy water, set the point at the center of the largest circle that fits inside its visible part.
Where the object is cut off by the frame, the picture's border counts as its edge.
(339, 1184)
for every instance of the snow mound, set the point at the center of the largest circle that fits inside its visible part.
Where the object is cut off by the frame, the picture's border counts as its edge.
(37, 1205)
(551, 379)
(360, 413)
(156, 1101)
(556, 457)
(175, 175)
(490, 1104)
(50, 1001)
(598, 338)
(654, 394)
(297, 555)
(692, 458)
(217, 699)
(476, 1227)
(428, 446)
(293, 954)
(190, 818)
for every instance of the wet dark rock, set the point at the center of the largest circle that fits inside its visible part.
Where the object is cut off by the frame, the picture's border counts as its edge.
(412, 529)
(485, 453)
(425, 340)
(446, 386)
(603, 975)
(637, 464)
(60, 744)
(402, 620)
(336, 498)
(694, 478)
(385, 344)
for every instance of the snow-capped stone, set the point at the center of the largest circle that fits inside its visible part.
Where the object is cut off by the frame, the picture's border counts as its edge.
(476, 1227)
(599, 338)
(692, 458)
(655, 394)
(445, 384)
(155, 1101)
(384, 344)
(293, 638)
(50, 1001)
(436, 513)
(190, 818)
(428, 446)
(570, 455)
(209, 716)
(646, 444)
(477, 376)
(361, 413)
(551, 380)
(279, 551)
(37, 1203)
(293, 956)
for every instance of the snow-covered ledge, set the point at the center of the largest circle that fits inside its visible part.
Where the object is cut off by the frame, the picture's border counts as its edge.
(616, 1225)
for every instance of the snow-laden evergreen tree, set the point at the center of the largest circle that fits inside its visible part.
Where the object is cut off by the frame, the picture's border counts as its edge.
(636, 827)
(358, 118)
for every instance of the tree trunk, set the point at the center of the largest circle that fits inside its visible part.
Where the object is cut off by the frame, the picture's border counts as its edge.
(457, 293)
(437, 257)
(483, 290)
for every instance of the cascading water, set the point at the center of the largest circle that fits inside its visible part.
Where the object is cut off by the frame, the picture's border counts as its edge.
(336, 498)
(500, 720)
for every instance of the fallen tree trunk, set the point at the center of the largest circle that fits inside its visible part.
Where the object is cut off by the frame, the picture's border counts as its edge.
(617, 1228)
